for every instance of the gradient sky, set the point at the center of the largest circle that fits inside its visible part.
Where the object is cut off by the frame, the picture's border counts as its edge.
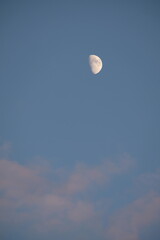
(79, 153)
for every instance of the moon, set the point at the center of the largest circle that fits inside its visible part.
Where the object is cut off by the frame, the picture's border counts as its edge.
(95, 64)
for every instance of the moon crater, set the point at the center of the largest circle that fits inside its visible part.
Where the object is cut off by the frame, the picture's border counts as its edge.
(95, 64)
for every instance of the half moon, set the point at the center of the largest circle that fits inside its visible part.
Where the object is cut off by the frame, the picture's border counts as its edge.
(95, 64)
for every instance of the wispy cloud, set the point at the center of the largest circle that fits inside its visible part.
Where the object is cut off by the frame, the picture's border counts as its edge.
(128, 223)
(28, 195)
(148, 181)
(84, 176)
(62, 200)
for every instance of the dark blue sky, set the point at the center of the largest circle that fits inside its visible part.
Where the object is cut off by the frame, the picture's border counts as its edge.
(56, 114)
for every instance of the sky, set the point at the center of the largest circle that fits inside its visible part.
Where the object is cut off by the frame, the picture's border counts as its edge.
(79, 153)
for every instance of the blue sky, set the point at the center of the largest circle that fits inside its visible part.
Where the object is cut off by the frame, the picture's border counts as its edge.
(79, 152)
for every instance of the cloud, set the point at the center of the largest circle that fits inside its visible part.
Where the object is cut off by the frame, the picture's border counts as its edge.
(134, 219)
(128, 223)
(64, 201)
(82, 211)
(148, 181)
(17, 181)
(85, 176)
(29, 196)
(60, 200)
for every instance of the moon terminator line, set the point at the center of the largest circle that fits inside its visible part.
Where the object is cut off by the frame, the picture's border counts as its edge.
(95, 64)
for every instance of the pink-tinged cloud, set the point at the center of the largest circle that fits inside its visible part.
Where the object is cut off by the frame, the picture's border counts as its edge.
(148, 181)
(18, 181)
(84, 176)
(128, 223)
(29, 196)
(81, 211)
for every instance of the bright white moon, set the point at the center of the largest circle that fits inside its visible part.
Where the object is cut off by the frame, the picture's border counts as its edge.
(95, 64)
